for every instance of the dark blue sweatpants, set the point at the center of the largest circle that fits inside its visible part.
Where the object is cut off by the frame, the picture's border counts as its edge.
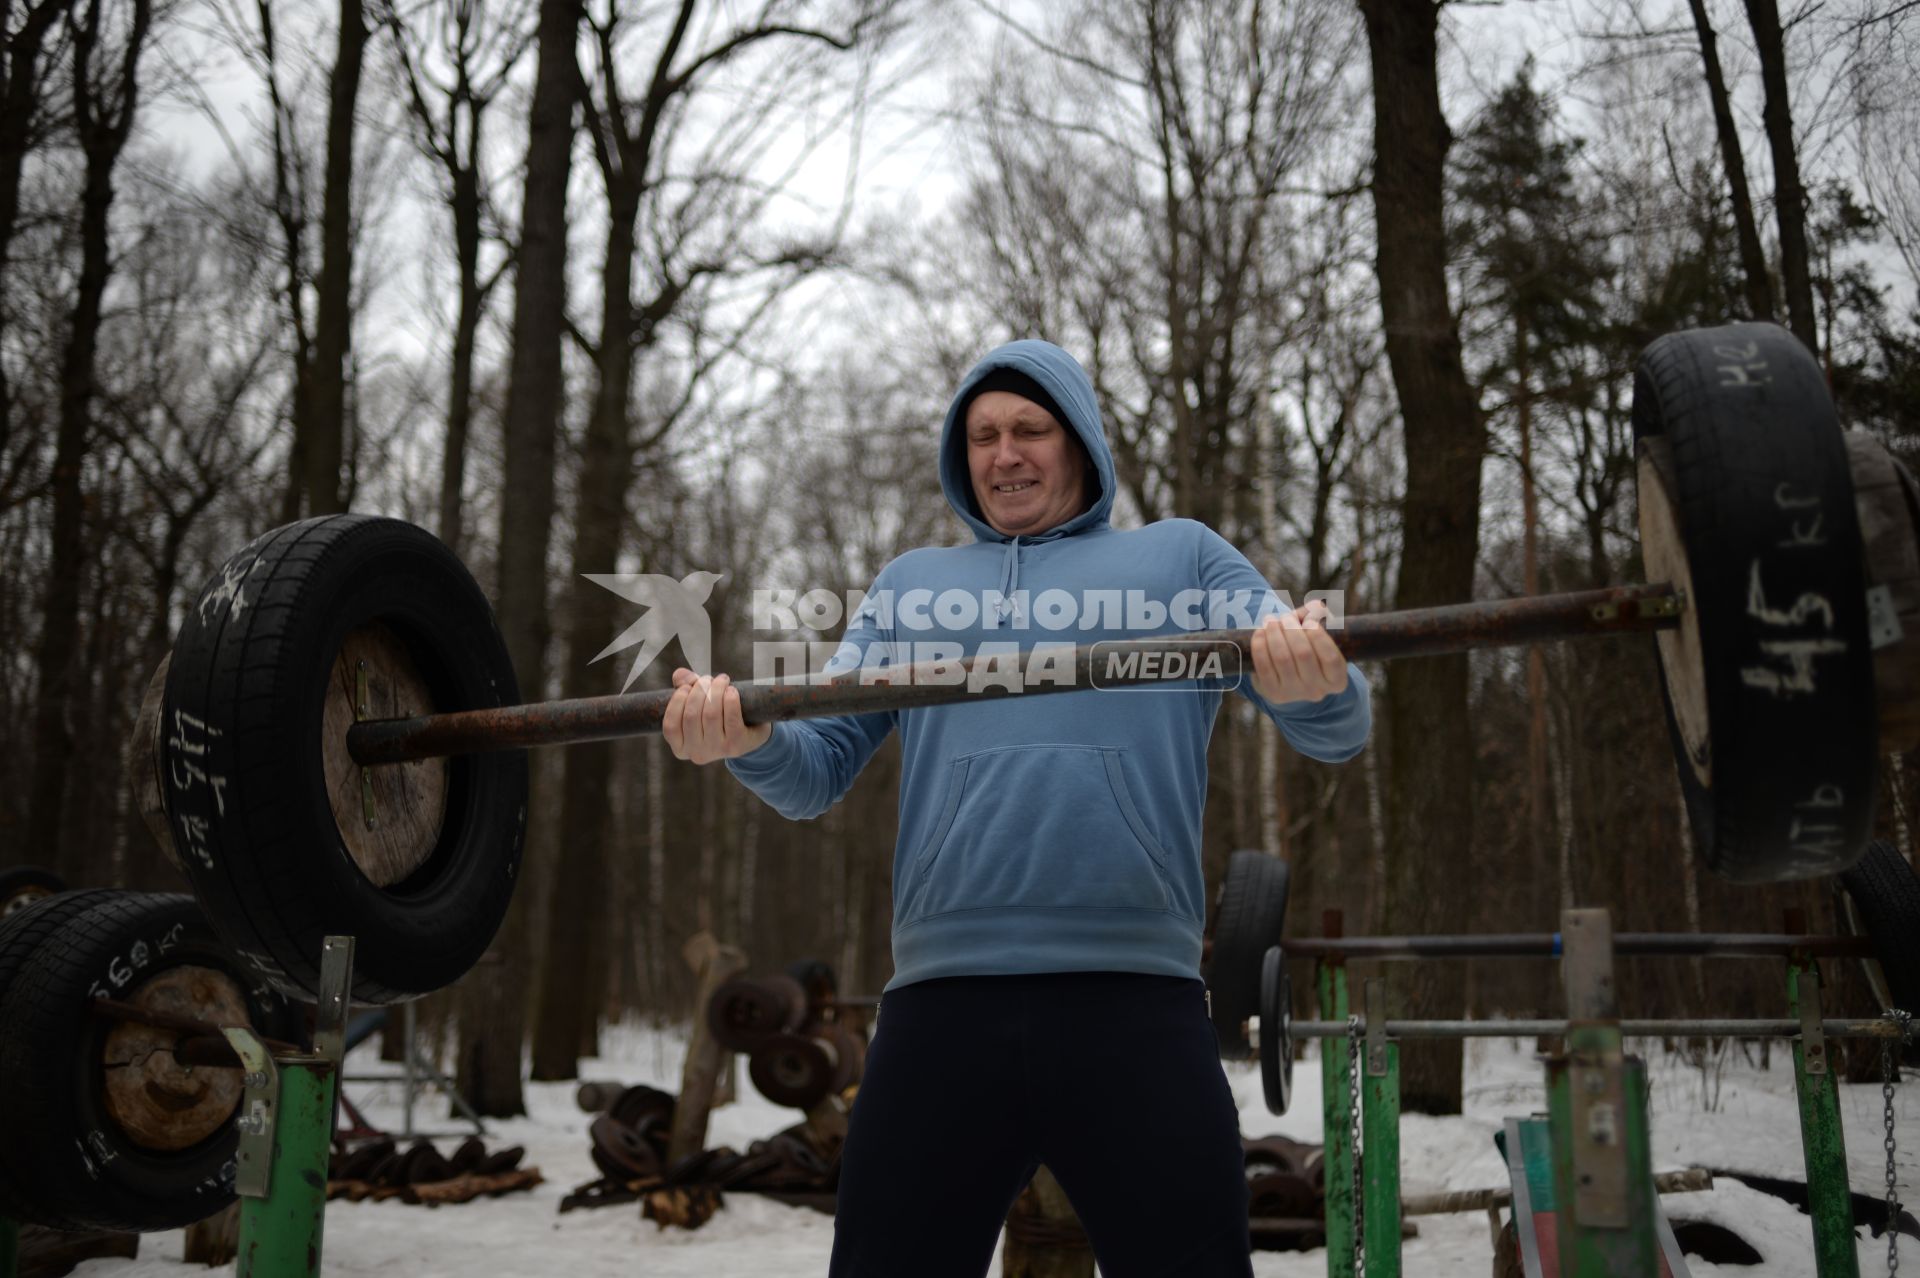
(1111, 1079)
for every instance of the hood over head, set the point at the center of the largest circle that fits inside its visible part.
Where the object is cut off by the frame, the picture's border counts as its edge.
(1062, 378)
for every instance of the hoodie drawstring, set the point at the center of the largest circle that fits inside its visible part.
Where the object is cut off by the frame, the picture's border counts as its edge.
(1009, 584)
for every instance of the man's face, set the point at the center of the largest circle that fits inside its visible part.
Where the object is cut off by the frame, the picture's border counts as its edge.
(1027, 474)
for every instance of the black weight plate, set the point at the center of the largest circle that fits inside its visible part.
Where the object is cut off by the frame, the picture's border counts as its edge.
(1276, 1031)
(69, 1162)
(22, 885)
(1252, 909)
(1773, 718)
(248, 801)
(791, 1070)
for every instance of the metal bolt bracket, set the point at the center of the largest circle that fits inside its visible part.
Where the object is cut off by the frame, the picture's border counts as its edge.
(336, 982)
(1883, 618)
(1665, 606)
(253, 1162)
(1376, 997)
(1813, 1039)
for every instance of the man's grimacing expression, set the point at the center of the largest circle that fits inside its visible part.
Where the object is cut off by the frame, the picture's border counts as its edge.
(1028, 474)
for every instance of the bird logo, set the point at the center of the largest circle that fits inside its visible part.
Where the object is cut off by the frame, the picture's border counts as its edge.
(674, 610)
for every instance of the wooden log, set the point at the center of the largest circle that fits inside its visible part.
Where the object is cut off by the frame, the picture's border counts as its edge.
(1884, 496)
(700, 1074)
(462, 1189)
(45, 1253)
(215, 1240)
(1044, 1237)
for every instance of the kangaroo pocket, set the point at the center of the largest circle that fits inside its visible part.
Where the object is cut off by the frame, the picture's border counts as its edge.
(1037, 825)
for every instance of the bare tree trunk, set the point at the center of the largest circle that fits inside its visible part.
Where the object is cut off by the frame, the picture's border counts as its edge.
(1430, 805)
(453, 464)
(1789, 196)
(103, 108)
(606, 470)
(1538, 806)
(19, 118)
(1753, 260)
(481, 55)
(333, 323)
(655, 925)
(534, 407)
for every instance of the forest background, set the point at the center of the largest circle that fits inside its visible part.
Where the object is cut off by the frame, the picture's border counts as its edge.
(590, 286)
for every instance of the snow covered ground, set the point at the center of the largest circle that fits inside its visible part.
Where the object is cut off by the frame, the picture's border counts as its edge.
(1753, 1126)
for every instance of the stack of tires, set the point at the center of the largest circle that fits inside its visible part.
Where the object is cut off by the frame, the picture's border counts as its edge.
(105, 1128)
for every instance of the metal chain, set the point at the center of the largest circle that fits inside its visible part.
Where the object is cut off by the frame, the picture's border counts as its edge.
(1904, 1023)
(1353, 1145)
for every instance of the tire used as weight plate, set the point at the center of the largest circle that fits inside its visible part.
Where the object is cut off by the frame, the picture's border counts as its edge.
(266, 808)
(73, 1156)
(1886, 895)
(22, 885)
(1747, 505)
(1252, 910)
(1276, 1031)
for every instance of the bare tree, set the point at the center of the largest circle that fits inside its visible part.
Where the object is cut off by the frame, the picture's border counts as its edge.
(23, 121)
(1753, 260)
(333, 317)
(1789, 195)
(478, 50)
(683, 206)
(493, 1013)
(105, 94)
(1430, 814)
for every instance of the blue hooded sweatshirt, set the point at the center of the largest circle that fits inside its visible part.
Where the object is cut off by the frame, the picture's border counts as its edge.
(1056, 833)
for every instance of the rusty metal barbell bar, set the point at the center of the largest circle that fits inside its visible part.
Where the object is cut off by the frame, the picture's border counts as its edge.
(1422, 632)
(1547, 945)
(203, 1040)
(1876, 1027)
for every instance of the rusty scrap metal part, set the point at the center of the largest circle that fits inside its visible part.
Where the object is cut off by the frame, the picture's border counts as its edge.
(1416, 633)
(747, 1010)
(620, 1151)
(790, 1069)
(641, 1103)
(596, 1096)
(421, 1174)
(198, 1028)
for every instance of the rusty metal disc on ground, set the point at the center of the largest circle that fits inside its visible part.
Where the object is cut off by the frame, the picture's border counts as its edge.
(746, 1010)
(640, 1102)
(792, 1070)
(389, 817)
(159, 1103)
(621, 1152)
(849, 1052)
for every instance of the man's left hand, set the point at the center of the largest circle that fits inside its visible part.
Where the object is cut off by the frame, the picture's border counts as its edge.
(1295, 659)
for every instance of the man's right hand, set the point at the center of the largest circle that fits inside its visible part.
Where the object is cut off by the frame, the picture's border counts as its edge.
(703, 722)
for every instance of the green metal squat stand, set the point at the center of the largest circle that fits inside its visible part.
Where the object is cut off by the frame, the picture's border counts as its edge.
(1601, 1194)
(286, 1133)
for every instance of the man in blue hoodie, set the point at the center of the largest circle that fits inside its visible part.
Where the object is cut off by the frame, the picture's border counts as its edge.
(1046, 1006)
